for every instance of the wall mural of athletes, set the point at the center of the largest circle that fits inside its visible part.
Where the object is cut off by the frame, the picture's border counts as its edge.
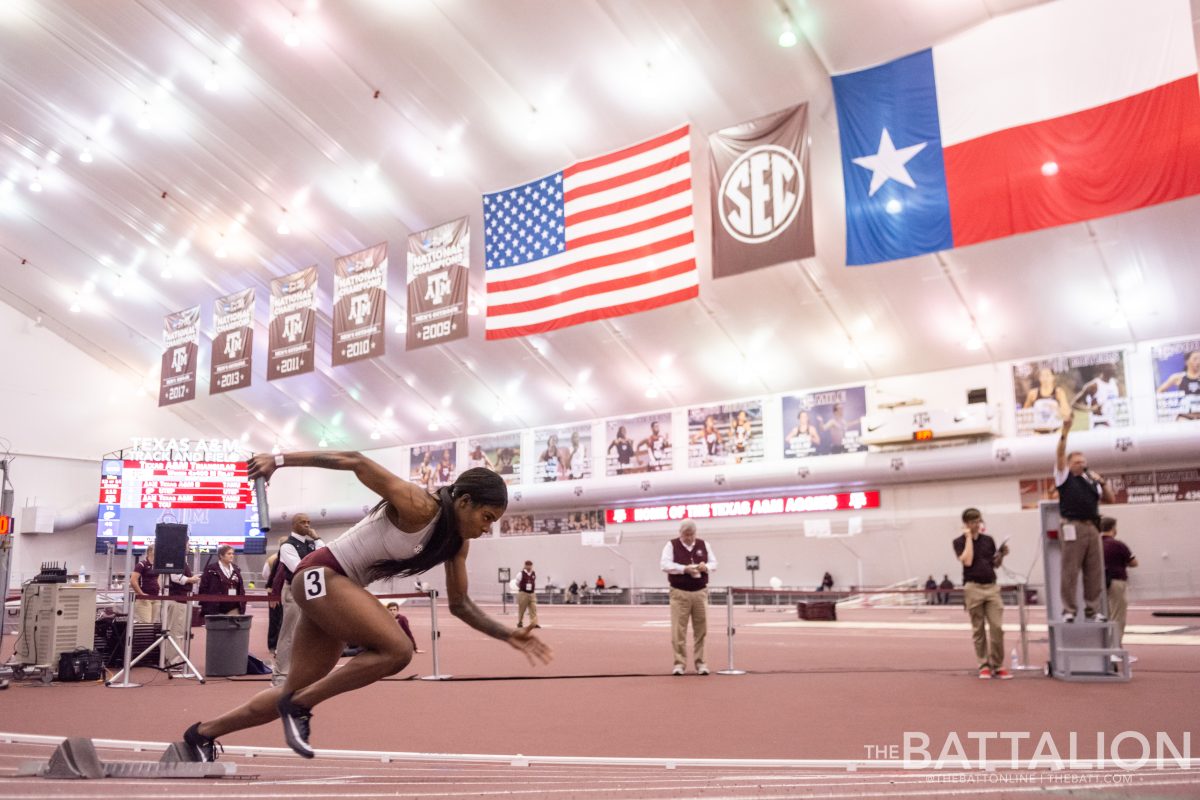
(730, 433)
(824, 423)
(1091, 386)
(638, 444)
(434, 465)
(551, 522)
(1177, 380)
(500, 453)
(562, 454)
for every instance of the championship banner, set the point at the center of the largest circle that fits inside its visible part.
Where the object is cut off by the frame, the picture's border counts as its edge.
(563, 453)
(233, 344)
(180, 359)
(725, 434)
(500, 453)
(762, 212)
(438, 260)
(1177, 380)
(359, 302)
(291, 347)
(432, 466)
(1089, 386)
(638, 444)
(824, 423)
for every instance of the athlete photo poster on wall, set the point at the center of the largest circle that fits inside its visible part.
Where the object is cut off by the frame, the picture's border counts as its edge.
(1177, 380)
(637, 444)
(824, 423)
(433, 465)
(1090, 386)
(730, 433)
(500, 453)
(562, 454)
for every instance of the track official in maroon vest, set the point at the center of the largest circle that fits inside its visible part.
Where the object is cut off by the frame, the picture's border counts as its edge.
(688, 561)
(527, 595)
(303, 541)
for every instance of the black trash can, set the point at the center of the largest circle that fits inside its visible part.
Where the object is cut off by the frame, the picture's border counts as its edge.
(227, 644)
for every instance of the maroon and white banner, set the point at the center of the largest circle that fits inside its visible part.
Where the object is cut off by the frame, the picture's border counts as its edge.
(233, 344)
(792, 504)
(359, 302)
(291, 348)
(180, 359)
(762, 203)
(438, 260)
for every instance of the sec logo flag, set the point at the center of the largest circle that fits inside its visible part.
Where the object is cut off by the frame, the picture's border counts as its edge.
(762, 210)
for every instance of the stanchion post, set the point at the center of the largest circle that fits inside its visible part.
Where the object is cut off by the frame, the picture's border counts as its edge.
(1022, 615)
(125, 682)
(729, 632)
(436, 639)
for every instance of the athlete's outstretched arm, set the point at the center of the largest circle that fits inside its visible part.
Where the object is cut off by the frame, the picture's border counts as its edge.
(413, 505)
(463, 607)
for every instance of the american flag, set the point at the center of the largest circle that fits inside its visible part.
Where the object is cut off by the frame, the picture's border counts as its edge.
(607, 236)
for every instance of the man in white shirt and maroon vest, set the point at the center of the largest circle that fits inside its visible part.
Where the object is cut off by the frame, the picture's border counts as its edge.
(303, 541)
(527, 595)
(1079, 494)
(688, 561)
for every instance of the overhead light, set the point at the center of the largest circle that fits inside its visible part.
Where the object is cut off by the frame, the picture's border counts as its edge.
(220, 252)
(89, 286)
(355, 200)
(322, 443)
(894, 206)
(787, 38)
(399, 327)
(292, 37)
(144, 117)
(276, 449)
(35, 185)
(1117, 320)
(433, 426)
(473, 309)
(167, 274)
(498, 412)
(282, 228)
(974, 342)
(75, 309)
(437, 167)
(569, 404)
(211, 83)
(85, 155)
(850, 361)
(376, 435)
(651, 392)
(1050, 168)
(119, 287)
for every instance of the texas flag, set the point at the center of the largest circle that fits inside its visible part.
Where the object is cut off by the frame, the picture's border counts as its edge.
(1063, 112)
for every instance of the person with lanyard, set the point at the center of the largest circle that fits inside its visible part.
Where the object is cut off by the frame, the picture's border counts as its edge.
(1118, 558)
(981, 594)
(146, 589)
(302, 541)
(407, 533)
(177, 620)
(223, 577)
(527, 596)
(688, 561)
(1080, 491)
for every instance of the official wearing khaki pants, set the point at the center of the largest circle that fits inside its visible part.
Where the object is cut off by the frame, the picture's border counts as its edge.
(985, 607)
(689, 606)
(527, 603)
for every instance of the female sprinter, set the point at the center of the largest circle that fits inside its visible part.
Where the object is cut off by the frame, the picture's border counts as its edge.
(407, 533)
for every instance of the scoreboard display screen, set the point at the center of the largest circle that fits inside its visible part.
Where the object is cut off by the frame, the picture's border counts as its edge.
(213, 498)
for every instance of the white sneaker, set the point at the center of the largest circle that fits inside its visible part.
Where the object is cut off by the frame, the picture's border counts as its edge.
(1100, 618)
(678, 670)
(702, 668)
(1068, 617)
(1132, 659)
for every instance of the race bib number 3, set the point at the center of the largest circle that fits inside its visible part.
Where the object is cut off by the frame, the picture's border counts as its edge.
(314, 583)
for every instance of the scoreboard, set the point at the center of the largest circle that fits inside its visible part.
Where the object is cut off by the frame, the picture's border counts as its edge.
(213, 498)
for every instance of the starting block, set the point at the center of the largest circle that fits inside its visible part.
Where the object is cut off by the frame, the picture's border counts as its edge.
(76, 759)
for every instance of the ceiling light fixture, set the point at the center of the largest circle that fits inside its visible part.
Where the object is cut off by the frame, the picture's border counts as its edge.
(974, 342)
(75, 309)
(787, 38)
(355, 199)
(651, 392)
(276, 449)
(144, 117)
(35, 185)
(212, 82)
(220, 252)
(292, 37)
(282, 228)
(85, 155)
(376, 435)
(433, 426)
(1050, 168)
(569, 403)
(894, 206)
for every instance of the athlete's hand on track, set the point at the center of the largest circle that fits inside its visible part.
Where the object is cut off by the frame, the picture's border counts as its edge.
(533, 647)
